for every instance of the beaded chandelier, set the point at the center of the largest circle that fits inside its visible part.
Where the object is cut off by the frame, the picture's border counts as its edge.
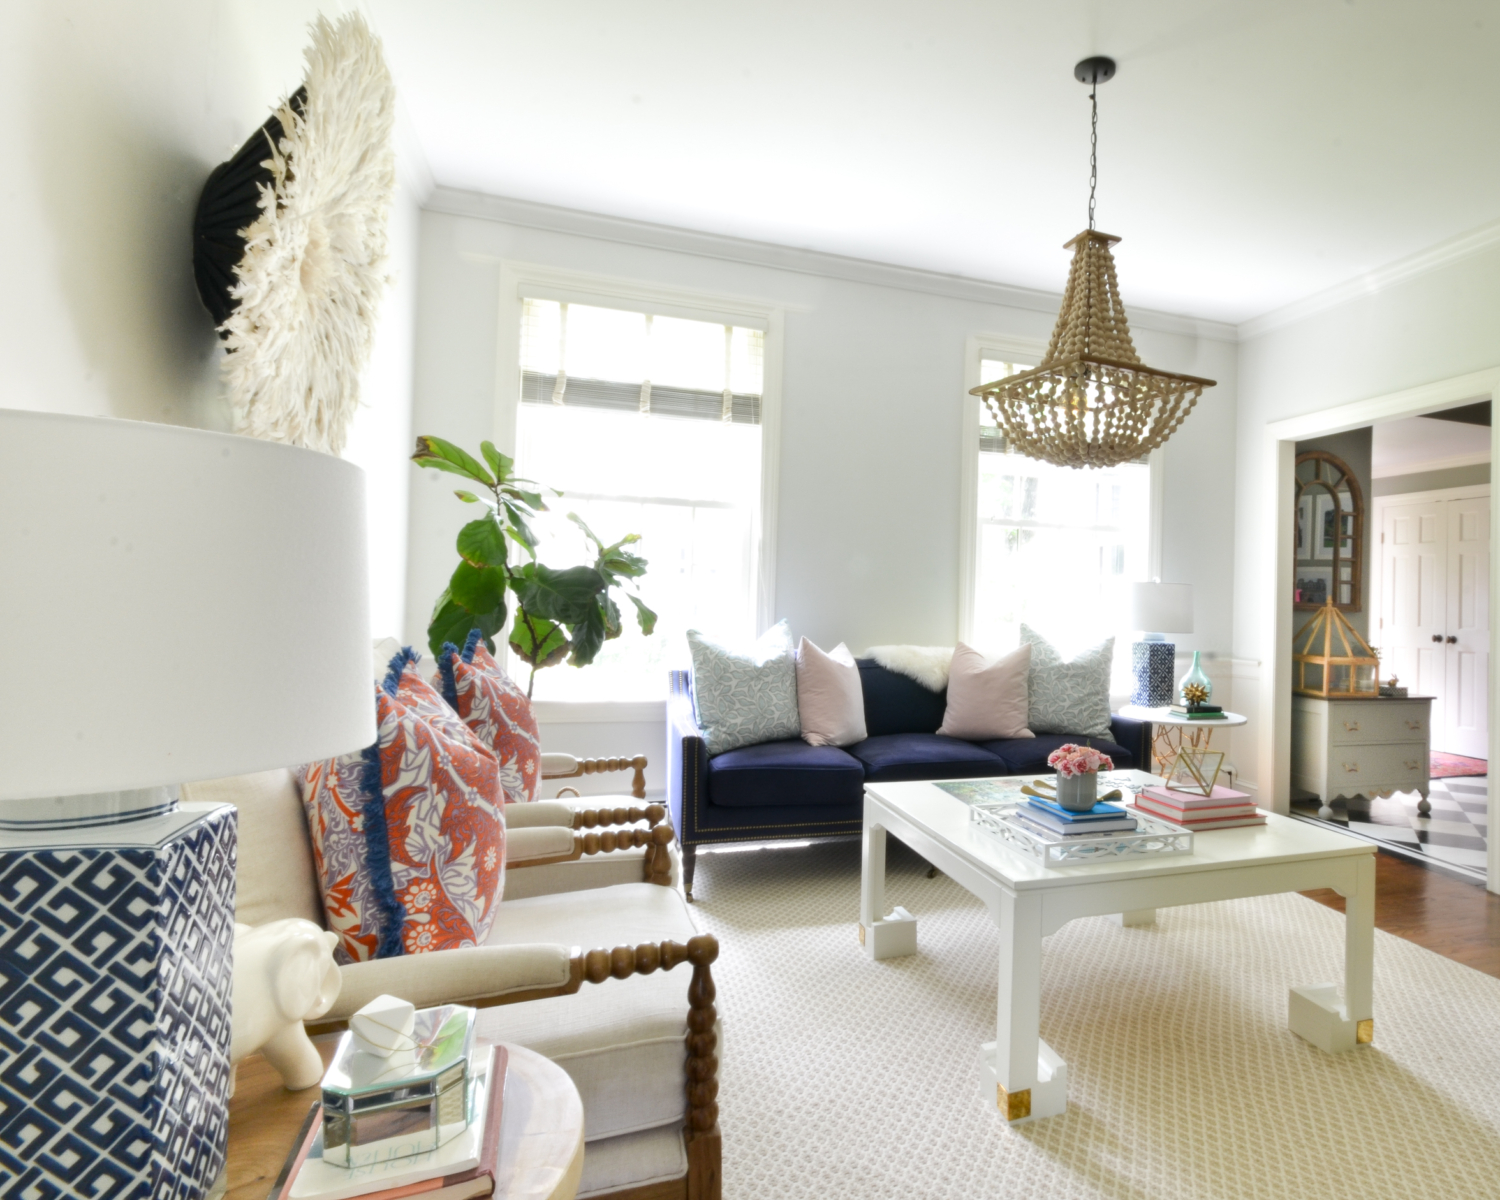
(1091, 402)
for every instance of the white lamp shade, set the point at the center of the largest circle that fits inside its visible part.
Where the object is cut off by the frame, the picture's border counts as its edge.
(1161, 607)
(179, 605)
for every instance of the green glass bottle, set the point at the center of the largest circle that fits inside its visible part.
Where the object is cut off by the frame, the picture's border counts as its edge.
(1196, 675)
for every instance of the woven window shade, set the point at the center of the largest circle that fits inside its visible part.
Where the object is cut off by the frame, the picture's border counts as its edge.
(1091, 402)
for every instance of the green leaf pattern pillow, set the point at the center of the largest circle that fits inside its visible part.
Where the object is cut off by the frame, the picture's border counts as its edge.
(1069, 697)
(743, 697)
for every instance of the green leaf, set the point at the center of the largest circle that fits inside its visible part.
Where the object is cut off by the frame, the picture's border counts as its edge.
(538, 641)
(499, 463)
(434, 452)
(587, 532)
(534, 499)
(647, 617)
(481, 543)
(588, 637)
(467, 497)
(613, 627)
(622, 563)
(520, 528)
(478, 589)
(515, 537)
(450, 622)
(566, 596)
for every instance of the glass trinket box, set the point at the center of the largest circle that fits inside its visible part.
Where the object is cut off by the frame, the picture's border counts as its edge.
(375, 1109)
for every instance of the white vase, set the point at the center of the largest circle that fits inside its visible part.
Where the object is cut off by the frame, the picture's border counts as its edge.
(1078, 793)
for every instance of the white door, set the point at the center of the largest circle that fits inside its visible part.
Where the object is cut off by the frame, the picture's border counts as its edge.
(1414, 601)
(1465, 721)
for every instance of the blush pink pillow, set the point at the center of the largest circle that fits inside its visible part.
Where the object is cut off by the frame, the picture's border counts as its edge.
(830, 700)
(987, 699)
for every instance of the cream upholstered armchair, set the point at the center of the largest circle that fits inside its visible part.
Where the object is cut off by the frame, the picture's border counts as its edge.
(643, 1053)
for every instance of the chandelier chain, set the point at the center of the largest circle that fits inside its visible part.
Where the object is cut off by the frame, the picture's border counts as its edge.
(1093, 147)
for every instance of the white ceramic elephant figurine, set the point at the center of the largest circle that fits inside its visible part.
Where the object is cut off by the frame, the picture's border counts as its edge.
(284, 973)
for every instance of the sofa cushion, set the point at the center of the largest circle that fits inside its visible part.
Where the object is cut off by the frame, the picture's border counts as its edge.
(1025, 756)
(1068, 695)
(621, 1041)
(896, 756)
(407, 835)
(499, 712)
(987, 699)
(830, 700)
(896, 704)
(745, 695)
(784, 773)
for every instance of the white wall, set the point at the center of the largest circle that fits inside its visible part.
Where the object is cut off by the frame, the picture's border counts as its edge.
(115, 113)
(872, 388)
(1410, 325)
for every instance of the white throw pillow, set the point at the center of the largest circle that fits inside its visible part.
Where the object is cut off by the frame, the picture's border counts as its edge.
(987, 698)
(1069, 697)
(745, 695)
(830, 700)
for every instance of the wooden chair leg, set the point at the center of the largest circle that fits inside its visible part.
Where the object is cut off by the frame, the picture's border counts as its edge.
(689, 861)
(704, 1143)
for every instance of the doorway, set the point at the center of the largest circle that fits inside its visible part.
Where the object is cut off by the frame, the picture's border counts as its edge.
(1462, 798)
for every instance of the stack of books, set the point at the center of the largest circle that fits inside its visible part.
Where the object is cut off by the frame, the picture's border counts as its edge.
(461, 1169)
(1051, 819)
(1204, 712)
(1224, 809)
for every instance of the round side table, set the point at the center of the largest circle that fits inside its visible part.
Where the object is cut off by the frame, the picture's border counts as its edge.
(541, 1131)
(1170, 730)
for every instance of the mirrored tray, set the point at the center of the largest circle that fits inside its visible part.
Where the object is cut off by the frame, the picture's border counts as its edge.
(1150, 837)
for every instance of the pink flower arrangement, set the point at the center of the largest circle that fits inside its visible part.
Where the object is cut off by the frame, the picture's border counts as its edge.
(1069, 760)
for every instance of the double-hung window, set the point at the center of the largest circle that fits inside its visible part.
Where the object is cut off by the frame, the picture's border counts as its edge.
(649, 424)
(1053, 546)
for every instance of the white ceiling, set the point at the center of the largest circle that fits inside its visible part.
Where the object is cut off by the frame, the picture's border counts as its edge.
(1426, 444)
(1251, 153)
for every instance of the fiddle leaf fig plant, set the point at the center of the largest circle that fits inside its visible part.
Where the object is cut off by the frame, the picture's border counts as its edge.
(555, 615)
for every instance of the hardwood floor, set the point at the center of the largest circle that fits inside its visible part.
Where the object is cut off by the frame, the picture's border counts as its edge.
(1446, 914)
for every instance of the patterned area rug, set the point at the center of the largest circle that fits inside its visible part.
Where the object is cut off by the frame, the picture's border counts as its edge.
(848, 1078)
(1455, 766)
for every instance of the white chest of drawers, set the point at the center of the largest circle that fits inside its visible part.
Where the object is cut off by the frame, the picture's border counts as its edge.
(1346, 748)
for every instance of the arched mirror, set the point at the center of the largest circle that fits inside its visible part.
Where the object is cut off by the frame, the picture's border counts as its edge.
(1330, 533)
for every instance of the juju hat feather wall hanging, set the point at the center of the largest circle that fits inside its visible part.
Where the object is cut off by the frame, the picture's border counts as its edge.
(289, 244)
(1091, 402)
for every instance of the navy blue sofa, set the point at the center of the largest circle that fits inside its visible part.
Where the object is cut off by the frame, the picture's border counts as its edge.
(789, 789)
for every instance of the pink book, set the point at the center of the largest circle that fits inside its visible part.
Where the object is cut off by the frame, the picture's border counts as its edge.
(479, 1181)
(1222, 797)
(1147, 804)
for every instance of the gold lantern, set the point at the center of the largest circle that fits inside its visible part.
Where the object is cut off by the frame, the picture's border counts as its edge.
(1332, 661)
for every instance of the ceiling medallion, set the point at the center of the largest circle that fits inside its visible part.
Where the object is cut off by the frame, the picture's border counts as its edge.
(1091, 402)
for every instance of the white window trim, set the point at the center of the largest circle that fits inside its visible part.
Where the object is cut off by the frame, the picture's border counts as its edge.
(1007, 348)
(527, 280)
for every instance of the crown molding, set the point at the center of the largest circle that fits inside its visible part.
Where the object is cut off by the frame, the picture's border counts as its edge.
(531, 215)
(1465, 245)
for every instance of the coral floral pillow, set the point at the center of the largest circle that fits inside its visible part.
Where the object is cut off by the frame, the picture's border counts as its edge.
(408, 835)
(498, 712)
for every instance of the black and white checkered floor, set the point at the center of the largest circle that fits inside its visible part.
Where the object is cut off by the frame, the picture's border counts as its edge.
(1455, 834)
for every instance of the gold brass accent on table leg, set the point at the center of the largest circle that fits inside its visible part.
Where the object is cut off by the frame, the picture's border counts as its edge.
(1015, 1105)
(1364, 1032)
(1166, 742)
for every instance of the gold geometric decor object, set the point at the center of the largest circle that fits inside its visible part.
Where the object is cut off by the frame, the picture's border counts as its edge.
(1196, 770)
(1091, 402)
(1331, 660)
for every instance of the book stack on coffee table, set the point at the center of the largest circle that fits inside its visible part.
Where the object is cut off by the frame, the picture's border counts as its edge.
(1224, 808)
(1052, 819)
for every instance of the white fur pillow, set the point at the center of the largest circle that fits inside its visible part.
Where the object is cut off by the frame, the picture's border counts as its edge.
(928, 665)
(987, 698)
(830, 699)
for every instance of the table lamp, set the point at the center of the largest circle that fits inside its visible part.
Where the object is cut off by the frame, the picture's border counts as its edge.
(1157, 609)
(180, 605)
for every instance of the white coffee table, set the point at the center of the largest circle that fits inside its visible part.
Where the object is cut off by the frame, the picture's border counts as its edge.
(1029, 901)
